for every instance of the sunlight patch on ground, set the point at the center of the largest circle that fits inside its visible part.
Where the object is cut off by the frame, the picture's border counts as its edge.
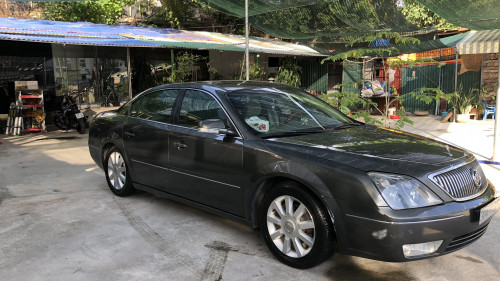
(67, 155)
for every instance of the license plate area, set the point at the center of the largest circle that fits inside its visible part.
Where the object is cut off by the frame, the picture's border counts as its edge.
(79, 115)
(489, 210)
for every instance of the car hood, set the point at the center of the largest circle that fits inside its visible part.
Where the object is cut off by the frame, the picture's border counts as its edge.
(375, 143)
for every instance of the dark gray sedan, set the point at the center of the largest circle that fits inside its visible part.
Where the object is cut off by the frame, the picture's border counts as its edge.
(312, 179)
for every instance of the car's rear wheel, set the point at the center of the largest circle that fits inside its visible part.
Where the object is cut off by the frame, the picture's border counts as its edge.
(117, 174)
(296, 226)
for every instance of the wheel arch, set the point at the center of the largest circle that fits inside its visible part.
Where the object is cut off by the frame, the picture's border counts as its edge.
(270, 182)
(104, 151)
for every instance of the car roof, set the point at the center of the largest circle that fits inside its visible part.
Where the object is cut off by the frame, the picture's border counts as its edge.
(226, 85)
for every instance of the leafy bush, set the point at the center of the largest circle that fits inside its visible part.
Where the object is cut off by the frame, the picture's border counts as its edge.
(256, 72)
(96, 11)
(289, 72)
(184, 68)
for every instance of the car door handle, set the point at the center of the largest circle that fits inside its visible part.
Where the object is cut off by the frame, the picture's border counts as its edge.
(180, 145)
(129, 134)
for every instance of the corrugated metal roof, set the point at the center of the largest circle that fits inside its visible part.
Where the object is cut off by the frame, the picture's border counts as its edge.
(84, 33)
(480, 42)
(123, 42)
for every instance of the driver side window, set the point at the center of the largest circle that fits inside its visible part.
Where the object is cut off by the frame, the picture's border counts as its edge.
(156, 106)
(198, 106)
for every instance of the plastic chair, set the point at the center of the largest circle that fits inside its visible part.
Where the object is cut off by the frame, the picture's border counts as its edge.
(488, 109)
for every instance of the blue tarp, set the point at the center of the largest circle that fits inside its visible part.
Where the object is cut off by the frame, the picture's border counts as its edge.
(89, 33)
(123, 42)
(85, 33)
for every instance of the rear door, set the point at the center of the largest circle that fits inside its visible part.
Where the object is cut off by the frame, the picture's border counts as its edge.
(206, 168)
(146, 135)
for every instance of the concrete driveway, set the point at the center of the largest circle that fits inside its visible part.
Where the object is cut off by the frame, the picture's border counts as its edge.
(59, 221)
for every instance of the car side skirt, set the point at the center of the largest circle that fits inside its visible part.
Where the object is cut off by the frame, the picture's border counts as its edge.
(192, 204)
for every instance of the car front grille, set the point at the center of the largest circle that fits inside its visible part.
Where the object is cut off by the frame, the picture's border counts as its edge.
(464, 240)
(462, 183)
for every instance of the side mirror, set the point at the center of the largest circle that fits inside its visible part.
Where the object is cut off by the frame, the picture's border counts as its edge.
(214, 126)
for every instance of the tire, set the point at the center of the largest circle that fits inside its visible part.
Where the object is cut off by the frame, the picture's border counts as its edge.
(115, 165)
(80, 126)
(300, 240)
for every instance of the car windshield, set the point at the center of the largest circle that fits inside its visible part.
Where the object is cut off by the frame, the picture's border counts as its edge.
(271, 112)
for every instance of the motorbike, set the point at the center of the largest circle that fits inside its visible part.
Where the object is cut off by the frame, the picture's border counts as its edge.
(68, 116)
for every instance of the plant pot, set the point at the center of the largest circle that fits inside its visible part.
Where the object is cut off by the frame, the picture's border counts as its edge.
(394, 116)
(463, 118)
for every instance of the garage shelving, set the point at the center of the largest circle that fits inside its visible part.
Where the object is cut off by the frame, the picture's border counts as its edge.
(33, 111)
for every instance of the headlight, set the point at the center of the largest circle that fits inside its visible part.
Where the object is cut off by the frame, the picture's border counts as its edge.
(402, 192)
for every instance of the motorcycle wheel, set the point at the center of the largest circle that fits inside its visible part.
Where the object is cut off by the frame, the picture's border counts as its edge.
(59, 123)
(80, 126)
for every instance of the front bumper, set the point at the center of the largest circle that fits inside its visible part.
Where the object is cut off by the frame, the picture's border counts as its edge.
(383, 235)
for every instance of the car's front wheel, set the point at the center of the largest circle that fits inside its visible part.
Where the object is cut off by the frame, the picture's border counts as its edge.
(117, 174)
(296, 226)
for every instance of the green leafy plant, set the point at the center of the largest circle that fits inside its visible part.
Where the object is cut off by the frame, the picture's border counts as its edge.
(361, 51)
(184, 68)
(345, 101)
(214, 73)
(466, 101)
(462, 101)
(380, 52)
(359, 108)
(289, 72)
(421, 16)
(403, 119)
(96, 11)
(256, 72)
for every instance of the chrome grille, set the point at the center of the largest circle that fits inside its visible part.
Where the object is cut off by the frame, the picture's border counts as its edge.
(461, 183)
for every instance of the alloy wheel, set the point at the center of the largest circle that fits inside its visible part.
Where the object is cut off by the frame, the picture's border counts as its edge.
(117, 172)
(290, 226)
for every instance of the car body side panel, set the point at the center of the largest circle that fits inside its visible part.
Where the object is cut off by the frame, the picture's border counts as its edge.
(146, 145)
(208, 169)
(107, 129)
(323, 178)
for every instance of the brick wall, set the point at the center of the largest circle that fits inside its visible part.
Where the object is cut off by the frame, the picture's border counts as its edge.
(490, 73)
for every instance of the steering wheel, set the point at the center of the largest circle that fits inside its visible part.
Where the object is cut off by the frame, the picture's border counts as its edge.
(296, 113)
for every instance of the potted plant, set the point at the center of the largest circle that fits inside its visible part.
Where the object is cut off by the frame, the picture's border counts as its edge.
(464, 102)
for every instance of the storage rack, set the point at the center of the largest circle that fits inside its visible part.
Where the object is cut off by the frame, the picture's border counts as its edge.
(32, 101)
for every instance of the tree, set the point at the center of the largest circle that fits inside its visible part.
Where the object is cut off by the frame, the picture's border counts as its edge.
(421, 16)
(193, 14)
(19, 10)
(176, 13)
(96, 11)
(384, 51)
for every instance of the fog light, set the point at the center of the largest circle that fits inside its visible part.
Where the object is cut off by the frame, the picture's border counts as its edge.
(414, 250)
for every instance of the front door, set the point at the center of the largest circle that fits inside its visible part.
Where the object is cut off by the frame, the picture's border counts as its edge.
(206, 168)
(145, 138)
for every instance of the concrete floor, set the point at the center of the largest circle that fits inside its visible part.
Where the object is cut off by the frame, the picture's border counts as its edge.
(59, 221)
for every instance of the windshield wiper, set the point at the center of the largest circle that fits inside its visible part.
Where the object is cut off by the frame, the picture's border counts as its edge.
(292, 133)
(347, 126)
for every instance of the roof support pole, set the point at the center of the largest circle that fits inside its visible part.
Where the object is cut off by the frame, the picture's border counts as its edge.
(247, 57)
(129, 74)
(495, 131)
(172, 60)
(456, 82)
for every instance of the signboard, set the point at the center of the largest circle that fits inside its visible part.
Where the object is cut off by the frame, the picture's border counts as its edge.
(26, 85)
